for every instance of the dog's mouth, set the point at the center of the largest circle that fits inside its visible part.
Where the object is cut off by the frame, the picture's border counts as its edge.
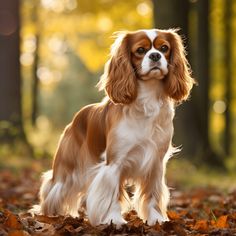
(155, 68)
(154, 71)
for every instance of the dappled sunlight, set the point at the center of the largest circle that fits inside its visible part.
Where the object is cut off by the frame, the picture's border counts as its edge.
(26, 59)
(57, 45)
(28, 49)
(144, 9)
(44, 137)
(104, 23)
(219, 107)
(59, 6)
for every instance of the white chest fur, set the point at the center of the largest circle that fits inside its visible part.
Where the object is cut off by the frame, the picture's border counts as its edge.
(149, 113)
(147, 124)
(136, 128)
(140, 126)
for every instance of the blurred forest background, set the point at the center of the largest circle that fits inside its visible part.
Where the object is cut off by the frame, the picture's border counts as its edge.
(52, 53)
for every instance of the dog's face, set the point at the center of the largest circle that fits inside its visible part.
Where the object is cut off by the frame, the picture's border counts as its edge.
(150, 54)
(145, 55)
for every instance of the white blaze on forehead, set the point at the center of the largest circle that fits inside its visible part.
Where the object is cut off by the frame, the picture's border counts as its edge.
(147, 62)
(152, 34)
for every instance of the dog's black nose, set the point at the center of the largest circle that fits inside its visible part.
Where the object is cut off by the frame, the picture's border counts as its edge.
(155, 56)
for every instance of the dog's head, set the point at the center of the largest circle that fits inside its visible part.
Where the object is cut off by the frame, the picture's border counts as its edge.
(145, 55)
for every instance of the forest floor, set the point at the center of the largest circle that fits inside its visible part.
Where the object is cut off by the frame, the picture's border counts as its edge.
(199, 211)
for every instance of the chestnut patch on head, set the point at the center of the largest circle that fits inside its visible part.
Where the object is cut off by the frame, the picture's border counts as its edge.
(162, 44)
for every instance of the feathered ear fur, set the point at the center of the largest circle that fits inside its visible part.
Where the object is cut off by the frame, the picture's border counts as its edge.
(119, 80)
(178, 82)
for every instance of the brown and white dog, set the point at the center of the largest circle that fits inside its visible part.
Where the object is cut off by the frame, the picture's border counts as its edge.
(126, 137)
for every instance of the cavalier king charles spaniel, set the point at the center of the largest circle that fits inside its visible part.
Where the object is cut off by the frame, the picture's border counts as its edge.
(124, 139)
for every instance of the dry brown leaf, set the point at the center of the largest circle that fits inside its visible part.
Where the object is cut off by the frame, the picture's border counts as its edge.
(12, 221)
(201, 225)
(179, 229)
(69, 228)
(222, 222)
(79, 229)
(137, 222)
(233, 216)
(173, 215)
(157, 227)
(48, 219)
(18, 233)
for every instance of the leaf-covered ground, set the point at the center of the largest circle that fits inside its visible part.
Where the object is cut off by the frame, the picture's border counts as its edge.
(202, 211)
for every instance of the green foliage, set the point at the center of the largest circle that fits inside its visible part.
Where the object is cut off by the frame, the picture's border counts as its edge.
(76, 89)
(9, 130)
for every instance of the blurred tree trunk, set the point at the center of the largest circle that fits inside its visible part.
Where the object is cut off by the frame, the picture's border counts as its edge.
(35, 84)
(228, 70)
(191, 121)
(171, 14)
(11, 126)
(202, 73)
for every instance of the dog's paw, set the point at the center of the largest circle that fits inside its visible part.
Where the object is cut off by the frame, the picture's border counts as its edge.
(115, 219)
(155, 216)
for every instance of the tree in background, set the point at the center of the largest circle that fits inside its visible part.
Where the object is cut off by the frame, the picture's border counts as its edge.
(35, 81)
(192, 119)
(11, 127)
(171, 14)
(202, 72)
(228, 76)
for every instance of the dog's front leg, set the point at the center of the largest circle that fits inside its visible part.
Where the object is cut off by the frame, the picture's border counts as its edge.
(158, 201)
(103, 196)
(152, 195)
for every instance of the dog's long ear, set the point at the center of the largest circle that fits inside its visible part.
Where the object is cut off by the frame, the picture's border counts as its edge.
(119, 80)
(178, 82)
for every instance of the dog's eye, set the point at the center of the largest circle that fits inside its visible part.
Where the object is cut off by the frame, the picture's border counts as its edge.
(141, 50)
(164, 48)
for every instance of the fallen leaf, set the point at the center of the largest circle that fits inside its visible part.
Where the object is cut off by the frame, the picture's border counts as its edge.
(222, 222)
(157, 227)
(173, 215)
(201, 225)
(12, 221)
(48, 219)
(69, 228)
(18, 233)
(179, 230)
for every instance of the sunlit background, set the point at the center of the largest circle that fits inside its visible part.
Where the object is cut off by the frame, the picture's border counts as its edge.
(65, 43)
(71, 41)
